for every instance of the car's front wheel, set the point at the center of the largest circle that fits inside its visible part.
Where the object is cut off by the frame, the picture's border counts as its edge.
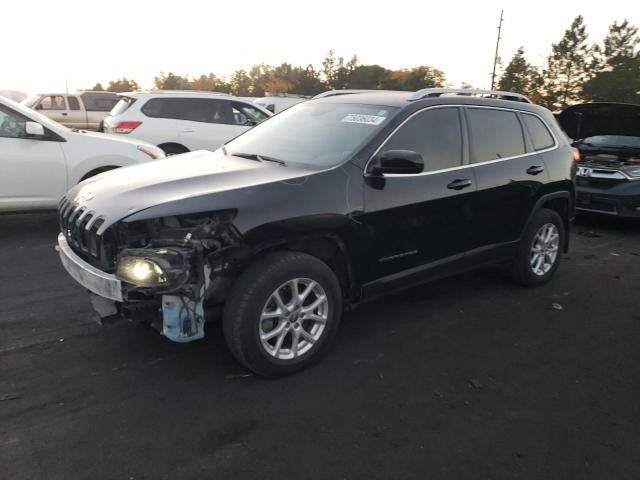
(283, 313)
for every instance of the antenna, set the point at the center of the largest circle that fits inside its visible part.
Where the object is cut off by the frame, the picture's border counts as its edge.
(495, 57)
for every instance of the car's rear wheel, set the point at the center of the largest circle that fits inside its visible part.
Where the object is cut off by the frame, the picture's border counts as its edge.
(540, 249)
(283, 313)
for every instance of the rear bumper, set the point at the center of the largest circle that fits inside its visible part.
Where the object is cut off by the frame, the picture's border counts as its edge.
(94, 280)
(621, 201)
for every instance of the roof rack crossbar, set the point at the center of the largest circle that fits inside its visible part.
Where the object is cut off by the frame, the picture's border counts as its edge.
(438, 92)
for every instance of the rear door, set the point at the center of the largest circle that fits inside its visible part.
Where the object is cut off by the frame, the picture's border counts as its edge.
(418, 224)
(34, 171)
(509, 173)
(206, 123)
(76, 116)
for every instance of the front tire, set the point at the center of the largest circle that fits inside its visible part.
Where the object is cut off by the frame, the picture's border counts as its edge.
(283, 313)
(540, 249)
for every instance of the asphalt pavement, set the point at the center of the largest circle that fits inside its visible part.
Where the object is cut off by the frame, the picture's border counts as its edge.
(466, 378)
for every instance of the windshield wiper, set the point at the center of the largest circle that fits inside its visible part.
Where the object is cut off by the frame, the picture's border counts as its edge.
(259, 158)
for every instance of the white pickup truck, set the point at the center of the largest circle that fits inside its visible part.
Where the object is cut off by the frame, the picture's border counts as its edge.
(85, 110)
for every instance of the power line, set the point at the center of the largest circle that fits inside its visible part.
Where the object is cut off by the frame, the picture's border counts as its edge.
(495, 57)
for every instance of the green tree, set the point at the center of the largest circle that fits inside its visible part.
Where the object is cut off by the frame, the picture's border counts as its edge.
(414, 79)
(241, 84)
(619, 77)
(368, 77)
(123, 85)
(521, 77)
(570, 64)
(170, 81)
(98, 87)
(210, 83)
(258, 75)
(308, 81)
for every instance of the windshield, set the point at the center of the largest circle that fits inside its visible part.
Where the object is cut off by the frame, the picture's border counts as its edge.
(122, 106)
(314, 134)
(613, 141)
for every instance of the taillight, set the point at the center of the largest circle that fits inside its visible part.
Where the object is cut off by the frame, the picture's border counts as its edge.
(576, 154)
(125, 127)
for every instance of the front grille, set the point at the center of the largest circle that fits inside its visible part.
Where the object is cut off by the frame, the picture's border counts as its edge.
(80, 227)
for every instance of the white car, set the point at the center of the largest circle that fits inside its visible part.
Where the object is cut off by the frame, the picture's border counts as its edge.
(40, 159)
(278, 103)
(183, 121)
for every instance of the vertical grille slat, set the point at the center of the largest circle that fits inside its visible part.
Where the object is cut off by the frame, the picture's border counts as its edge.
(80, 227)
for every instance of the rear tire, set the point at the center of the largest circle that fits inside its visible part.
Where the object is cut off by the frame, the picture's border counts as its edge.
(270, 330)
(540, 249)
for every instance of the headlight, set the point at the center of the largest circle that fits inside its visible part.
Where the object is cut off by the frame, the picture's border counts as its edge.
(141, 271)
(152, 152)
(165, 268)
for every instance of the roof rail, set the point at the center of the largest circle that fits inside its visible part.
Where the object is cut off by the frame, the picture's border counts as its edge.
(437, 92)
(333, 93)
(185, 91)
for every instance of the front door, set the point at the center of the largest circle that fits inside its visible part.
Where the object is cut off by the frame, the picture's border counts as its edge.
(206, 123)
(34, 172)
(54, 107)
(419, 224)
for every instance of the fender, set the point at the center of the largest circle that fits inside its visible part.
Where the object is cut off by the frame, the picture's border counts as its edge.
(555, 196)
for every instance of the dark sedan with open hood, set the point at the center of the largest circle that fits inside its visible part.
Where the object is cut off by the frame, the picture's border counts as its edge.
(607, 136)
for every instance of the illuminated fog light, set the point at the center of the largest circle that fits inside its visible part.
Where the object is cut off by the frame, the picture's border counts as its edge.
(141, 272)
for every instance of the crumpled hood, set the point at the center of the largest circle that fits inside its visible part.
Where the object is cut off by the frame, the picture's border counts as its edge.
(122, 192)
(590, 119)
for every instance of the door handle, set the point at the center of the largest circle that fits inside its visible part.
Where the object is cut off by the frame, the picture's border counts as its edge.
(64, 114)
(535, 170)
(459, 184)
(187, 130)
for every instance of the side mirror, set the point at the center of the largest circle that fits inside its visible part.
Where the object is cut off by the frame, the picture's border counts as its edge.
(403, 162)
(33, 129)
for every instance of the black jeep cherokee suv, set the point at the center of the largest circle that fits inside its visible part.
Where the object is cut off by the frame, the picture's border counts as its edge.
(330, 203)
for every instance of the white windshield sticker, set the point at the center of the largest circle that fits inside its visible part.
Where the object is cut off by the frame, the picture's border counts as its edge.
(366, 119)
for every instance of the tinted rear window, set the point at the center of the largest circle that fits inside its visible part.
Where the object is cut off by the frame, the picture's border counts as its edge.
(538, 131)
(74, 104)
(161, 108)
(494, 134)
(99, 102)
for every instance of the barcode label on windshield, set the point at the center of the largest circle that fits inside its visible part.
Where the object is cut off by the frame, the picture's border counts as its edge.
(366, 119)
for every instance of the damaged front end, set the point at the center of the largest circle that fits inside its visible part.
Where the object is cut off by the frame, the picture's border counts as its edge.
(170, 267)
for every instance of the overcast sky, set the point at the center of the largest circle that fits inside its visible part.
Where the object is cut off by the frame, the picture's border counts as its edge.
(45, 42)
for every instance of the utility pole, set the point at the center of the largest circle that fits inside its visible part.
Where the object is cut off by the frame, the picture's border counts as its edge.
(495, 57)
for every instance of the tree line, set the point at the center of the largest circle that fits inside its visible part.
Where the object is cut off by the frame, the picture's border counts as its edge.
(575, 71)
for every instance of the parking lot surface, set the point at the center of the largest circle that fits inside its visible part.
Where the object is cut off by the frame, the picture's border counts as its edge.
(470, 377)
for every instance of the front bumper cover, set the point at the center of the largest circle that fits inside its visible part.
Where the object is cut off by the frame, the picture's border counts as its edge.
(94, 280)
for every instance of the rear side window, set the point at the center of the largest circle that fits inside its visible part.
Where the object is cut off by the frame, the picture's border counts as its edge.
(206, 110)
(123, 105)
(538, 131)
(494, 134)
(74, 104)
(161, 108)
(435, 134)
(99, 102)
